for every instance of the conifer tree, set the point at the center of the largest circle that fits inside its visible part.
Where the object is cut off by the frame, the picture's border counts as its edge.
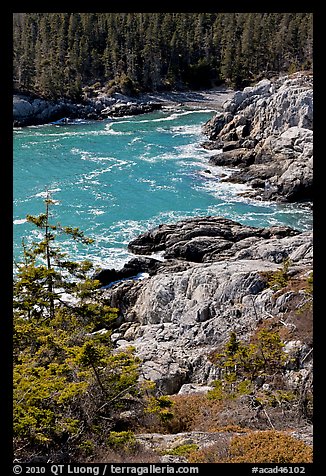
(56, 54)
(68, 384)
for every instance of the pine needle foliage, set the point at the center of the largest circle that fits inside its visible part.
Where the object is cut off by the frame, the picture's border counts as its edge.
(68, 381)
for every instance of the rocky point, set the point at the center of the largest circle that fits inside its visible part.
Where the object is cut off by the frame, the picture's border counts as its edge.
(210, 280)
(266, 133)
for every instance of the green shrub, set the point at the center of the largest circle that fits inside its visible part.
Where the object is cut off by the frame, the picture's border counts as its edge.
(280, 278)
(241, 363)
(121, 440)
(68, 384)
(182, 450)
(310, 283)
(160, 406)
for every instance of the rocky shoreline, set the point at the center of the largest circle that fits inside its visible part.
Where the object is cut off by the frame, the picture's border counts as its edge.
(211, 268)
(34, 111)
(205, 277)
(29, 110)
(266, 133)
(212, 272)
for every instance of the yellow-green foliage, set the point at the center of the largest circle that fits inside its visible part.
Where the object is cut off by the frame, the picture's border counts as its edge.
(181, 450)
(275, 397)
(280, 278)
(310, 283)
(160, 406)
(86, 447)
(67, 381)
(256, 447)
(41, 396)
(121, 440)
(50, 382)
(230, 388)
(241, 363)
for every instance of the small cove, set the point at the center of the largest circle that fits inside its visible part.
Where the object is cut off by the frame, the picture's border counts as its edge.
(117, 178)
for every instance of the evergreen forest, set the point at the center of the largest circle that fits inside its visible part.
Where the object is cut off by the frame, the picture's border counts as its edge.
(56, 55)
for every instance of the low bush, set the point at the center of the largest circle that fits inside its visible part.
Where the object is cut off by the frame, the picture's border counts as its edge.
(257, 447)
(269, 447)
(280, 278)
(181, 450)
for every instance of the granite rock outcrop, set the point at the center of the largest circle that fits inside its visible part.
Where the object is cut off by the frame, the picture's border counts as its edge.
(191, 300)
(266, 133)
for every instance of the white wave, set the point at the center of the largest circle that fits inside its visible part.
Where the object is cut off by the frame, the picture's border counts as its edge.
(192, 150)
(187, 129)
(109, 258)
(20, 221)
(119, 121)
(141, 276)
(59, 134)
(126, 230)
(179, 153)
(146, 157)
(49, 141)
(95, 211)
(158, 255)
(166, 187)
(201, 111)
(91, 158)
(45, 194)
(77, 151)
(172, 216)
(152, 183)
(120, 164)
(86, 155)
(109, 130)
(36, 234)
(170, 117)
(66, 135)
(223, 190)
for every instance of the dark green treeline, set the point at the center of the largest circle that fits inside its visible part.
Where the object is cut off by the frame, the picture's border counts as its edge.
(56, 54)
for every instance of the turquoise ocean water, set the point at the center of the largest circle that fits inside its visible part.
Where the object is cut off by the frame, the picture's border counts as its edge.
(115, 179)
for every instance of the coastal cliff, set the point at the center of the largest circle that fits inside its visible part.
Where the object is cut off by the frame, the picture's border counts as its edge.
(266, 133)
(199, 348)
(219, 313)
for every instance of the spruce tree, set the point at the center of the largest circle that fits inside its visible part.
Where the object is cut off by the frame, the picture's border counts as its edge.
(68, 383)
(56, 54)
